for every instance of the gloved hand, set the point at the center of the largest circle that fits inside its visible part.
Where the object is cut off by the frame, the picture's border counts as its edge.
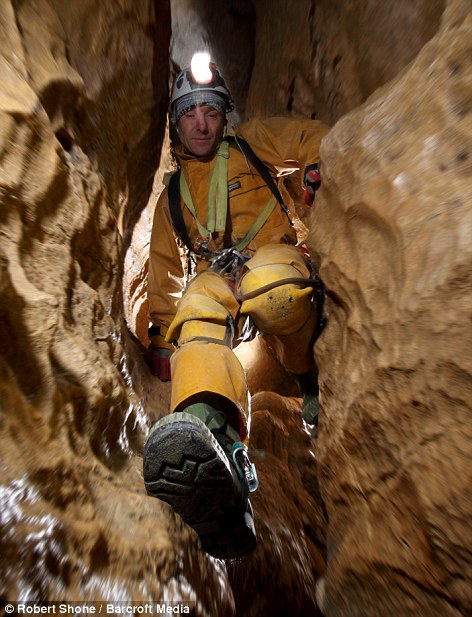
(158, 360)
(158, 354)
(312, 182)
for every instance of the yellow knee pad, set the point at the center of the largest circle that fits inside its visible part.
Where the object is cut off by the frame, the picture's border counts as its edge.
(275, 289)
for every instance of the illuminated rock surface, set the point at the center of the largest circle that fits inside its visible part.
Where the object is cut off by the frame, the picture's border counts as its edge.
(393, 233)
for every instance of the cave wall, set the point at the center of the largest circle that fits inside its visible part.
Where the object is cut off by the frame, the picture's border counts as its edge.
(322, 58)
(83, 114)
(391, 230)
(69, 184)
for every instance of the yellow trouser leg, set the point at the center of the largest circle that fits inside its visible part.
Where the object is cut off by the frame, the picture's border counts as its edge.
(204, 366)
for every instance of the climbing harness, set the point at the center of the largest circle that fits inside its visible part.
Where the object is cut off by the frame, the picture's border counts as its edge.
(229, 261)
(218, 202)
(217, 195)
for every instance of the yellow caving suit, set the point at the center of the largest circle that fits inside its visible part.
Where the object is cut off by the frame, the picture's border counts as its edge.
(199, 320)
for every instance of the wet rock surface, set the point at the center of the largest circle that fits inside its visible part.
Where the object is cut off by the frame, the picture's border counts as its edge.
(379, 502)
(80, 141)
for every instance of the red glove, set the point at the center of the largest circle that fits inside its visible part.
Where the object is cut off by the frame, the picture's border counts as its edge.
(158, 360)
(312, 181)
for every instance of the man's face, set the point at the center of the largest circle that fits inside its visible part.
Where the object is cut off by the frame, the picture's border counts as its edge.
(201, 130)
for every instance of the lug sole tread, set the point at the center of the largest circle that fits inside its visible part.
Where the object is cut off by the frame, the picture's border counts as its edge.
(186, 467)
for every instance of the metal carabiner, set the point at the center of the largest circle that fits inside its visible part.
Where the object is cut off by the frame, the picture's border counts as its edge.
(245, 468)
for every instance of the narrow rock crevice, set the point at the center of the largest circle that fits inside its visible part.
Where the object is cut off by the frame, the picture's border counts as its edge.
(378, 502)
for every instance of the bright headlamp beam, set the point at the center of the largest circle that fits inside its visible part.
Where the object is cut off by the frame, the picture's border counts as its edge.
(200, 67)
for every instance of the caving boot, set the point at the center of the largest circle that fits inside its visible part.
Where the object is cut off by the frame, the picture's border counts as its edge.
(194, 461)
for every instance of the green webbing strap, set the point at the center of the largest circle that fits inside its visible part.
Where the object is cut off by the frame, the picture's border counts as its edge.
(217, 207)
(258, 223)
(218, 192)
(217, 195)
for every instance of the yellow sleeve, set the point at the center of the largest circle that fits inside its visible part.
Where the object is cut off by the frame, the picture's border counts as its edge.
(284, 144)
(165, 276)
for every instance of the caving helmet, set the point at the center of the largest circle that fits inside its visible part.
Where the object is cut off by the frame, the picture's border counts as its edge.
(199, 84)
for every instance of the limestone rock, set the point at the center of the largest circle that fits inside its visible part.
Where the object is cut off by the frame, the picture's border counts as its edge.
(279, 578)
(392, 230)
(82, 113)
(323, 58)
(82, 124)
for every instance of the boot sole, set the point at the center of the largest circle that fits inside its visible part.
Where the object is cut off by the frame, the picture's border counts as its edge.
(186, 467)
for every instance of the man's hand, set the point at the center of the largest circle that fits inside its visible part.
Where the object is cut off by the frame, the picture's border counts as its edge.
(158, 353)
(158, 360)
(312, 181)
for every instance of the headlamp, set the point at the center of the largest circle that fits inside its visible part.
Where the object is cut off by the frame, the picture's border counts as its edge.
(200, 68)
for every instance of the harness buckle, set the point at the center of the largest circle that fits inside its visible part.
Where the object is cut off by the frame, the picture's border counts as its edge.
(244, 467)
(202, 246)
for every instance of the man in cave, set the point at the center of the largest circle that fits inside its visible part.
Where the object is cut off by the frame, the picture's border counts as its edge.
(224, 206)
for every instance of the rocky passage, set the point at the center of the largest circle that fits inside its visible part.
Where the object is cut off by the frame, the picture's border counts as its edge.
(379, 502)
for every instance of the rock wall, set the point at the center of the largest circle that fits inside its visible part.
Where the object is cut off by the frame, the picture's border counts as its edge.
(392, 229)
(82, 112)
(322, 58)
(83, 115)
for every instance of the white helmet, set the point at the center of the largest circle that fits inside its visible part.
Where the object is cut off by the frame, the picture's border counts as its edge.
(189, 92)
